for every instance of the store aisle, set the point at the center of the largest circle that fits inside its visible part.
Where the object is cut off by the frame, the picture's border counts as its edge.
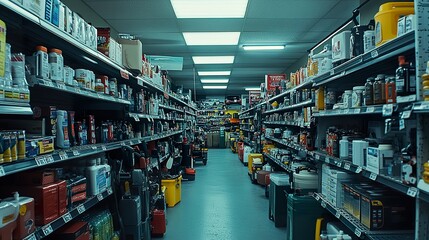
(221, 204)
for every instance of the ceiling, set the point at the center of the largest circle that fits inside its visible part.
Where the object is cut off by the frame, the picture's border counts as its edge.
(298, 24)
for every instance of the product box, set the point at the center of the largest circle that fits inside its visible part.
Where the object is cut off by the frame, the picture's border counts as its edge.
(118, 54)
(62, 17)
(49, 9)
(72, 231)
(35, 146)
(272, 81)
(2, 46)
(132, 54)
(92, 37)
(81, 29)
(25, 224)
(35, 6)
(68, 20)
(46, 202)
(103, 40)
(43, 177)
(341, 46)
(112, 49)
(75, 25)
(410, 23)
(401, 26)
(55, 19)
(62, 197)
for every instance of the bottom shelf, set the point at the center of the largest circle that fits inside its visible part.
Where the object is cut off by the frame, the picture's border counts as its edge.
(46, 230)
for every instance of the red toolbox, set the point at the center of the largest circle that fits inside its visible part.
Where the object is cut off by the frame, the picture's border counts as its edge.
(190, 174)
(240, 146)
(262, 176)
(158, 223)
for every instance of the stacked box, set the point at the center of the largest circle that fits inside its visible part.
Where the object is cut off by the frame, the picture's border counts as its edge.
(332, 180)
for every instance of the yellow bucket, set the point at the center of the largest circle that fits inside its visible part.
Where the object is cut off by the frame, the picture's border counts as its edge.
(386, 20)
(173, 194)
(251, 158)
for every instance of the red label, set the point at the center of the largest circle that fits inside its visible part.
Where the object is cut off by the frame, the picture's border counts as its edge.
(273, 81)
(166, 95)
(125, 75)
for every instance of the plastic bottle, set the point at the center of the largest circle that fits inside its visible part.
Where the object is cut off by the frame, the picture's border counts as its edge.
(56, 64)
(368, 92)
(8, 91)
(378, 90)
(42, 62)
(96, 177)
(390, 90)
(62, 136)
(108, 173)
(99, 86)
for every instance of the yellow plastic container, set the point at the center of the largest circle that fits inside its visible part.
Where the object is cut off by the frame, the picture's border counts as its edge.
(386, 20)
(254, 158)
(173, 193)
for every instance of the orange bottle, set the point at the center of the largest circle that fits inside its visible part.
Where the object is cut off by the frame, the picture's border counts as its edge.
(390, 89)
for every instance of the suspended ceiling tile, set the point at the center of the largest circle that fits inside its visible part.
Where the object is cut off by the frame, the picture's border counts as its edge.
(289, 9)
(314, 36)
(266, 38)
(143, 9)
(144, 25)
(213, 50)
(160, 38)
(343, 9)
(278, 25)
(210, 25)
(327, 25)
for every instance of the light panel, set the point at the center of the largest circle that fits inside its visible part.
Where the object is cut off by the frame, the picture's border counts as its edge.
(211, 38)
(209, 8)
(214, 87)
(223, 80)
(256, 47)
(252, 89)
(213, 59)
(214, 73)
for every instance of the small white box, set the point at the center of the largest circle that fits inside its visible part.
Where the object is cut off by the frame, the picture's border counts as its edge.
(68, 20)
(86, 26)
(410, 23)
(81, 30)
(62, 17)
(49, 8)
(377, 159)
(112, 49)
(92, 37)
(75, 25)
(132, 54)
(118, 53)
(35, 6)
(401, 26)
(341, 46)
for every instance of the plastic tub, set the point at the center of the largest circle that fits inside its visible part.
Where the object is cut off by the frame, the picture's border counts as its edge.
(173, 194)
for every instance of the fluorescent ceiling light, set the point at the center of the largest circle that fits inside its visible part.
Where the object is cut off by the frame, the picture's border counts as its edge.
(223, 80)
(256, 47)
(252, 89)
(214, 73)
(209, 8)
(211, 38)
(214, 87)
(213, 60)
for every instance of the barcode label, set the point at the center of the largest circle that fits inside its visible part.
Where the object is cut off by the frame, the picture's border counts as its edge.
(347, 166)
(109, 191)
(323, 204)
(103, 148)
(412, 192)
(67, 217)
(47, 230)
(358, 170)
(358, 232)
(356, 111)
(370, 109)
(63, 155)
(374, 53)
(338, 214)
(49, 159)
(373, 176)
(100, 197)
(81, 209)
(40, 161)
(94, 147)
(76, 153)
(2, 172)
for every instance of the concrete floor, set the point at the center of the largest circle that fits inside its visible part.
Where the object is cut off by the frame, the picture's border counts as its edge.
(222, 204)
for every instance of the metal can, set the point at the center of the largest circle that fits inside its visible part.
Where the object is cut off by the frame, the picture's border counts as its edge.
(113, 87)
(13, 145)
(105, 82)
(123, 91)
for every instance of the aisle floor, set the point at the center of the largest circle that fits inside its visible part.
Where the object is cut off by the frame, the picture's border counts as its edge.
(221, 204)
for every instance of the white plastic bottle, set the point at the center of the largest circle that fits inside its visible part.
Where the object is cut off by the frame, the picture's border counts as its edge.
(108, 173)
(96, 177)
(62, 138)
(56, 64)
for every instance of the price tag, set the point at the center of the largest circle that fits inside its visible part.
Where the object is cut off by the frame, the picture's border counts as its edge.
(373, 176)
(67, 217)
(2, 172)
(136, 118)
(358, 232)
(317, 197)
(100, 197)
(338, 214)
(122, 143)
(317, 157)
(47, 230)
(94, 147)
(332, 72)
(76, 153)
(401, 124)
(374, 53)
(61, 86)
(31, 237)
(49, 159)
(347, 166)
(103, 148)
(124, 74)
(40, 161)
(327, 160)
(323, 204)
(81, 209)
(370, 109)
(131, 143)
(339, 164)
(63, 155)
(406, 114)
(412, 191)
(358, 170)
(356, 110)
(346, 111)
(387, 110)
(109, 191)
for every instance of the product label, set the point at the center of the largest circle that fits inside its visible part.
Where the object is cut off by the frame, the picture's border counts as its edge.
(378, 37)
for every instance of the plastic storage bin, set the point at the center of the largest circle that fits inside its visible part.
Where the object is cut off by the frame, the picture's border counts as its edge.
(173, 194)
(247, 150)
(386, 20)
(254, 158)
(277, 199)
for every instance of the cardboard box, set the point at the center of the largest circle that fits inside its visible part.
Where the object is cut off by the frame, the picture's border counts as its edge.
(92, 35)
(35, 6)
(341, 46)
(132, 54)
(62, 197)
(62, 17)
(73, 231)
(112, 49)
(401, 26)
(410, 23)
(36, 178)
(46, 202)
(272, 81)
(68, 20)
(49, 9)
(118, 53)
(55, 18)
(103, 40)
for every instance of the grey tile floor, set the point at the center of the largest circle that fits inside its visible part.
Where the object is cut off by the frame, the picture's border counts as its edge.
(222, 204)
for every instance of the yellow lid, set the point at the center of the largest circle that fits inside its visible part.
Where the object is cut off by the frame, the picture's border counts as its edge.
(393, 5)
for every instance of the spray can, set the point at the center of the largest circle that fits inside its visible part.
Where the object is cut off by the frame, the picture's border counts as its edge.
(13, 146)
(21, 144)
(62, 138)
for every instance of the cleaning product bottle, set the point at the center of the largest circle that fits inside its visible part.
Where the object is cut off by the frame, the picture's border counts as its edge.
(62, 136)
(390, 90)
(108, 173)
(96, 177)
(368, 92)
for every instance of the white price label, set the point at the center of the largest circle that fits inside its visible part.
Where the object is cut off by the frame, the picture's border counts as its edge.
(131, 143)
(67, 217)
(61, 86)
(31, 237)
(47, 230)
(370, 109)
(339, 164)
(358, 170)
(373, 176)
(122, 143)
(49, 159)
(412, 191)
(317, 157)
(374, 53)
(356, 111)
(332, 72)
(109, 191)
(323, 204)
(136, 118)
(94, 147)
(406, 114)
(346, 111)
(100, 197)
(338, 214)
(401, 124)
(63, 155)
(387, 110)
(103, 148)
(358, 232)
(317, 197)
(81, 209)
(40, 161)
(76, 153)
(347, 166)
(424, 106)
(2, 172)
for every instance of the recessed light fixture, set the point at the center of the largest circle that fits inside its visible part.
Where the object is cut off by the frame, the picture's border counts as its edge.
(214, 60)
(252, 89)
(211, 38)
(214, 87)
(209, 8)
(221, 80)
(256, 47)
(214, 73)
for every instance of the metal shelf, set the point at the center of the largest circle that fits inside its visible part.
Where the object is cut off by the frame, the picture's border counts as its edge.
(48, 229)
(278, 162)
(246, 117)
(388, 50)
(15, 108)
(248, 130)
(288, 144)
(284, 109)
(151, 118)
(192, 114)
(305, 84)
(248, 143)
(288, 123)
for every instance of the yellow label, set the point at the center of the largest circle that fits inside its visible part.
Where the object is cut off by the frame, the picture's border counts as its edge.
(23, 210)
(15, 95)
(8, 94)
(2, 48)
(7, 219)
